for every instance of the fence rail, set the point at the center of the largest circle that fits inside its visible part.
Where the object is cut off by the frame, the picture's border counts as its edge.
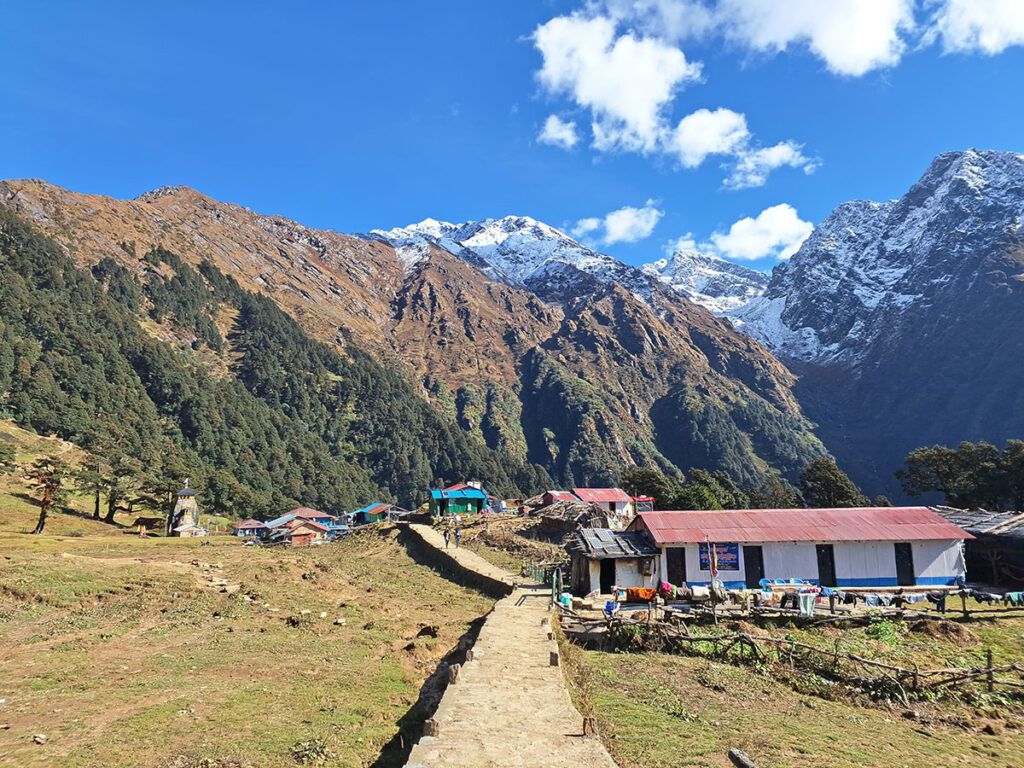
(870, 675)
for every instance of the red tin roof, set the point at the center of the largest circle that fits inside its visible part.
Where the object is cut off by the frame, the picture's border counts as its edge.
(824, 525)
(602, 495)
(561, 496)
(307, 513)
(310, 524)
(250, 523)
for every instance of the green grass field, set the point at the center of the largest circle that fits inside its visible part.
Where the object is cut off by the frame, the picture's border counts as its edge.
(125, 652)
(658, 710)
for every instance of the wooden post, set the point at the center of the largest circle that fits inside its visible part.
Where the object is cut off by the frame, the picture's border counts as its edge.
(431, 727)
(963, 602)
(589, 727)
(990, 679)
(554, 658)
(453, 673)
(832, 604)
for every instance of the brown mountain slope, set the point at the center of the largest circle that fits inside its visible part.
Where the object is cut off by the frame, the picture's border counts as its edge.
(604, 381)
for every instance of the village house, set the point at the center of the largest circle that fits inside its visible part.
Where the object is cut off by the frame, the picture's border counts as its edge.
(602, 558)
(312, 514)
(458, 499)
(615, 501)
(249, 528)
(305, 532)
(372, 513)
(847, 547)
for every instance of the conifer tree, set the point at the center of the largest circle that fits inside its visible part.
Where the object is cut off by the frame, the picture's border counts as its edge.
(47, 475)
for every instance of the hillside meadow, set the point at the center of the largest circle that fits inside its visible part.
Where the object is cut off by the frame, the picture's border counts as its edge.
(121, 651)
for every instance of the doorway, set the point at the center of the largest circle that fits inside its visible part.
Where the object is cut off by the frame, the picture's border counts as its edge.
(676, 557)
(826, 565)
(753, 566)
(904, 564)
(607, 576)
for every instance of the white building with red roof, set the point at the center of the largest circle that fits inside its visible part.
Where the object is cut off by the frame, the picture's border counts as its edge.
(842, 547)
(616, 501)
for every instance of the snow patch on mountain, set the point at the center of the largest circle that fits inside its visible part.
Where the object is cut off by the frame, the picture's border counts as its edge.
(869, 263)
(520, 251)
(708, 280)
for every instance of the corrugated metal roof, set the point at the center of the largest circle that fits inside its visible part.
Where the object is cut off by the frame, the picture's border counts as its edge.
(602, 495)
(764, 525)
(603, 543)
(280, 520)
(248, 524)
(561, 496)
(984, 521)
(465, 493)
(308, 513)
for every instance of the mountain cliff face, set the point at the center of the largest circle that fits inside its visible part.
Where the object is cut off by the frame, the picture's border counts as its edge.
(714, 283)
(542, 349)
(905, 319)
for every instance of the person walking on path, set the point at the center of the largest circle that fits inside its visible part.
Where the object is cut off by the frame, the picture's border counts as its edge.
(447, 537)
(458, 537)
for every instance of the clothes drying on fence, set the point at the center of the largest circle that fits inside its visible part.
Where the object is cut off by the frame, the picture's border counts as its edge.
(916, 597)
(807, 601)
(1014, 598)
(984, 597)
(939, 599)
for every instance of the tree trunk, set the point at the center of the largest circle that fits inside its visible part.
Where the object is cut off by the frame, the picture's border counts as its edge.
(96, 505)
(44, 510)
(111, 508)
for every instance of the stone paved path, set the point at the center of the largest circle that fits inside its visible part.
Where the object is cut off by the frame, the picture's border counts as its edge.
(510, 706)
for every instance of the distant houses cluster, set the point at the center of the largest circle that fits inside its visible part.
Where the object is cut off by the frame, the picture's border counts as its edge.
(303, 526)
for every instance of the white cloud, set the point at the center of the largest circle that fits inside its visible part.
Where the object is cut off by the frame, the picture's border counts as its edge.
(754, 165)
(668, 19)
(686, 242)
(558, 132)
(775, 232)
(586, 226)
(625, 225)
(704, 133)
(986, 26)
(852, 37)
(626, 81)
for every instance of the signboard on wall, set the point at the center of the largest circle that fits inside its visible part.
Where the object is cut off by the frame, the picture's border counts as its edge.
(728, 556)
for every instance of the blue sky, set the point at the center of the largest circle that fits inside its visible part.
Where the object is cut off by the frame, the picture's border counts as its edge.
(360, 115)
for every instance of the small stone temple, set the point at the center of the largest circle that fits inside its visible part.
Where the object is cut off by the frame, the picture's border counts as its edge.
(184, 519)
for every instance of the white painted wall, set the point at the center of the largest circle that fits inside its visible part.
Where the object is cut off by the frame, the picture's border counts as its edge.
(628, 573)
(867, 563)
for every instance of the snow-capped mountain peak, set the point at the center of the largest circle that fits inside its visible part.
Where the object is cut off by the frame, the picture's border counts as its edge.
(708, 280)
(867, 263)
(518, 250)
(528, 253)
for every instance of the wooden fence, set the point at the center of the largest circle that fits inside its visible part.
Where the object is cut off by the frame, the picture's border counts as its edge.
(899, 683)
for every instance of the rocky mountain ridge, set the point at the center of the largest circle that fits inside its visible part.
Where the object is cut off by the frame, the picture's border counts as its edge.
(905, 319)
(612, 372)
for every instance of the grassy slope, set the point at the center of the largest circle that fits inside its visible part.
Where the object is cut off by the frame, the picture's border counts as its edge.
(97, 653)
(660, 710)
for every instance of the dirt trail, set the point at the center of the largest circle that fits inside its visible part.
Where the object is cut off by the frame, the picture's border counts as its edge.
(510, 707)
